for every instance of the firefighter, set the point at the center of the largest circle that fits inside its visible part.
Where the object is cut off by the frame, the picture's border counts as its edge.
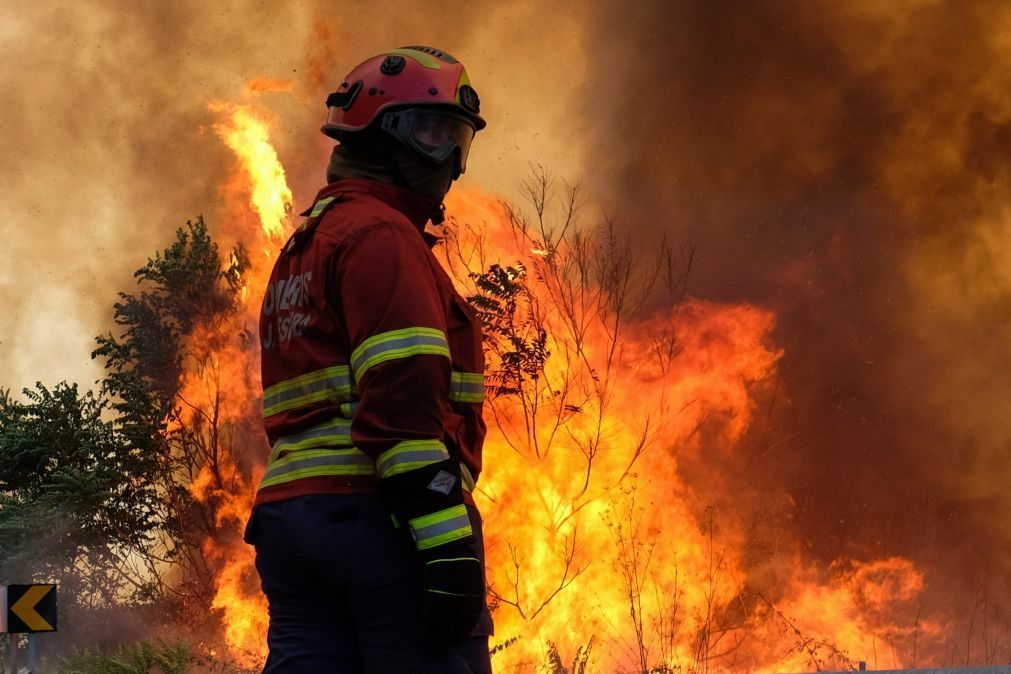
(368, 544)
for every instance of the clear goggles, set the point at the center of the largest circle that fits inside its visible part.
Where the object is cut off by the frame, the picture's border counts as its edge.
(435, 134)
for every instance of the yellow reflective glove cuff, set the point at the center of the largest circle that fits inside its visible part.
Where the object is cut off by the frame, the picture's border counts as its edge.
(439, 528)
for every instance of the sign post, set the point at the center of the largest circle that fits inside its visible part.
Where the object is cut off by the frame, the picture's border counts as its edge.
(33, 654)
(12, 653)
(26, 609)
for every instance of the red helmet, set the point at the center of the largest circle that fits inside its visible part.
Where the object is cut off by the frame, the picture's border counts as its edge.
(432, 107)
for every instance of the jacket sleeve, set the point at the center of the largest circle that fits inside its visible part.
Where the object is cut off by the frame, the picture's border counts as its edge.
(400, 358)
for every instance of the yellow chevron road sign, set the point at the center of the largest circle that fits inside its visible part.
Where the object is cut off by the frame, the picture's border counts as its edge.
(28, 608)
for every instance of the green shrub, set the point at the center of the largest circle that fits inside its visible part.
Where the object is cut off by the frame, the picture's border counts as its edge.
(145, 657)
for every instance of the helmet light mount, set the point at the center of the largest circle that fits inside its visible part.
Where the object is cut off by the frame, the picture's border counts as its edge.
(392, 64)
(344, 99)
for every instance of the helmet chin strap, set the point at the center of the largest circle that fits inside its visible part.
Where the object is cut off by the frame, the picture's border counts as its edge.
(439, 214)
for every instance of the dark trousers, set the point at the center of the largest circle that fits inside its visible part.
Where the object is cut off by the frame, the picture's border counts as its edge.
(344, 587)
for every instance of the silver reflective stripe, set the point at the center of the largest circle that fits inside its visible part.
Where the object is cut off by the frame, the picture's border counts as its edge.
(334, 433)
(397, 344)
(418, 456)
(332, 382)
(467, 387)
(409, 455)
(318, 462)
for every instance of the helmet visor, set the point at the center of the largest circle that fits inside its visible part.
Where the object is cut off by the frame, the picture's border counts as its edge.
(435, 134)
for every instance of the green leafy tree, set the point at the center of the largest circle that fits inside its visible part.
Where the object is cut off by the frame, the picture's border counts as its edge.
(94, 487)
(142, 658)
(77, 503)
(184, 288)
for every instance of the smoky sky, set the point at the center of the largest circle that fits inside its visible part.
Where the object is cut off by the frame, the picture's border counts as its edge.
(107, 146)
(846, 166)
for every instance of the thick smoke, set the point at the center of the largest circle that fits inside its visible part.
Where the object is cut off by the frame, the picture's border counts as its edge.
(106, 144)
(846, 165)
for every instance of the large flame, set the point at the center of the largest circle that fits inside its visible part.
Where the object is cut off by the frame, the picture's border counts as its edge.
(258, 216)
(610, 553)
(247, 134)
(597, 550)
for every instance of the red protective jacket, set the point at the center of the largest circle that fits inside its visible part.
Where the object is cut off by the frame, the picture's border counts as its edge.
(372, 362)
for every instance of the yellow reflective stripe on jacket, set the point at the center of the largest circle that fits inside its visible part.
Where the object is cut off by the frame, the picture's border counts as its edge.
(349, 461)
(410, 455)
(467, 387)
(316, 463)
(333, 433)
(397, 344)
(442, 527)
(332, 383)
(320, 205)
(467, 480)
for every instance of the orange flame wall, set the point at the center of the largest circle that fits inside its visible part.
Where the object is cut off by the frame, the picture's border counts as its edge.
(573, 541)
(611, 551)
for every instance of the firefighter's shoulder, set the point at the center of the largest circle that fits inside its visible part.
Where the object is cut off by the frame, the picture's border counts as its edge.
(358, 214)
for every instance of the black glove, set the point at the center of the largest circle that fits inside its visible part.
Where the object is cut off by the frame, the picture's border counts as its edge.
(429, 501)
(454, 592)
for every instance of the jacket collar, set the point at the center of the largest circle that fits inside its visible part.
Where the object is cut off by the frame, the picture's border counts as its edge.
(415, 208)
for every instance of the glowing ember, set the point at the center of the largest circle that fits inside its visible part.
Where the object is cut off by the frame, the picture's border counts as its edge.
(269, 84)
